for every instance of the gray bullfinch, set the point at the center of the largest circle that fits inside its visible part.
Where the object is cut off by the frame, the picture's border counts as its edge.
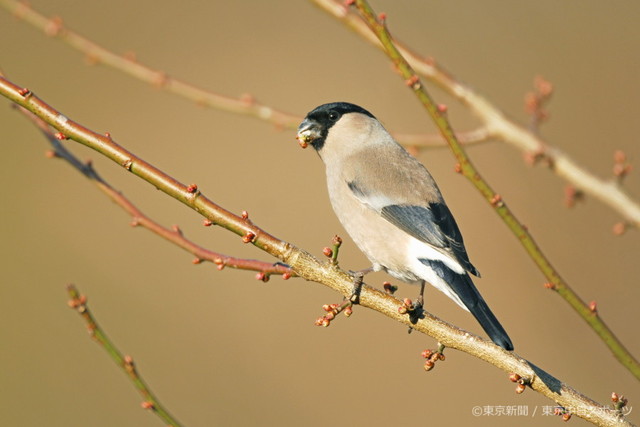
(392, 208)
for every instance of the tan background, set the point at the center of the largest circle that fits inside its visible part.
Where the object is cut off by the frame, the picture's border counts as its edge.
(220, 348)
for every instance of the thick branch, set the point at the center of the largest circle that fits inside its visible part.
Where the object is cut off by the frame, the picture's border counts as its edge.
(439, 116)
(308, 267)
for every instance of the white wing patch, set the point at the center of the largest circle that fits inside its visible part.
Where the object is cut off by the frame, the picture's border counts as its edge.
(376, 201)
(416, 250)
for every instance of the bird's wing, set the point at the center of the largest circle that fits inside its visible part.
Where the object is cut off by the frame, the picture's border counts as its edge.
(431, 223)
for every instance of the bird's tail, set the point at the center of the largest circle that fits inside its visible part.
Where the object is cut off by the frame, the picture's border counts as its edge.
(489, 323)
(463, 287)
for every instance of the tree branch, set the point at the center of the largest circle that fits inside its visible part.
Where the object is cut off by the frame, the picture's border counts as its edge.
(79, 303)
(308, 267)
(174, 234)
(465, 166)
(246, 104)
(498, 125)
(96, 54)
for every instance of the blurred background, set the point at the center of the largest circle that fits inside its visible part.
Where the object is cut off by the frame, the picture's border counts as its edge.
(221, 348)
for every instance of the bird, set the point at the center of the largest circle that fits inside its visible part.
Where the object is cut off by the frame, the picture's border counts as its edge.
(392, 208)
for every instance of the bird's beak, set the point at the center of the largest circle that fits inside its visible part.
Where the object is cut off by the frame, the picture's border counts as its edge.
(308, 131)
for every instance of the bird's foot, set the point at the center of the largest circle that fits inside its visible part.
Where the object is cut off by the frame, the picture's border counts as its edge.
(413, 309)
(417, 311)
(432, 357)
(281, 264)
(358, 277)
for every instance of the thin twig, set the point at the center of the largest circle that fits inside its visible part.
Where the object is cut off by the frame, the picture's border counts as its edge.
(308, 267)
(246, 104)
(498, 125)
(127, 64)
(151, 402)
(439, 116)
(173, 235)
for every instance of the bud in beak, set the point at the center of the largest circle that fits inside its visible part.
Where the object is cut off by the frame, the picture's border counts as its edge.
(308, 131)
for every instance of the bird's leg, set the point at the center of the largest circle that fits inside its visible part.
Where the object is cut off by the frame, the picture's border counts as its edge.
(358, 277)
(420, 299)
(357, 287)
(416, 312)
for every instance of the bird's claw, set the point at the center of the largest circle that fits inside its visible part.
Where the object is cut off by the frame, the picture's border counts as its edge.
(413, 309)
(281, 264)
(358, 278)
(417, 311)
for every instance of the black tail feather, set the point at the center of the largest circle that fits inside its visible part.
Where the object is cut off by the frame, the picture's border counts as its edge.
(463, 286)
(490, 324)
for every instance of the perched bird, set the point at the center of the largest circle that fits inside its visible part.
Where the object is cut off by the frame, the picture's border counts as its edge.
(392, 208)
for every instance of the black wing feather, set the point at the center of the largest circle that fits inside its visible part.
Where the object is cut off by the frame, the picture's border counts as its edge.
(418, 221)
(433, 225)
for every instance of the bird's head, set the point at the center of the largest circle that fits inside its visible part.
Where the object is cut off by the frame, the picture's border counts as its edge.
(315, 127)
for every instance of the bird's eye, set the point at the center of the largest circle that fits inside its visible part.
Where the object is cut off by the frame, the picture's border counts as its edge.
(333, 116)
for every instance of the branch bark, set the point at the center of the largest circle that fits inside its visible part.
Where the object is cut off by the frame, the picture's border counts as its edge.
(496, 124)
(140, 219)
(555, 281)
(309, 268)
